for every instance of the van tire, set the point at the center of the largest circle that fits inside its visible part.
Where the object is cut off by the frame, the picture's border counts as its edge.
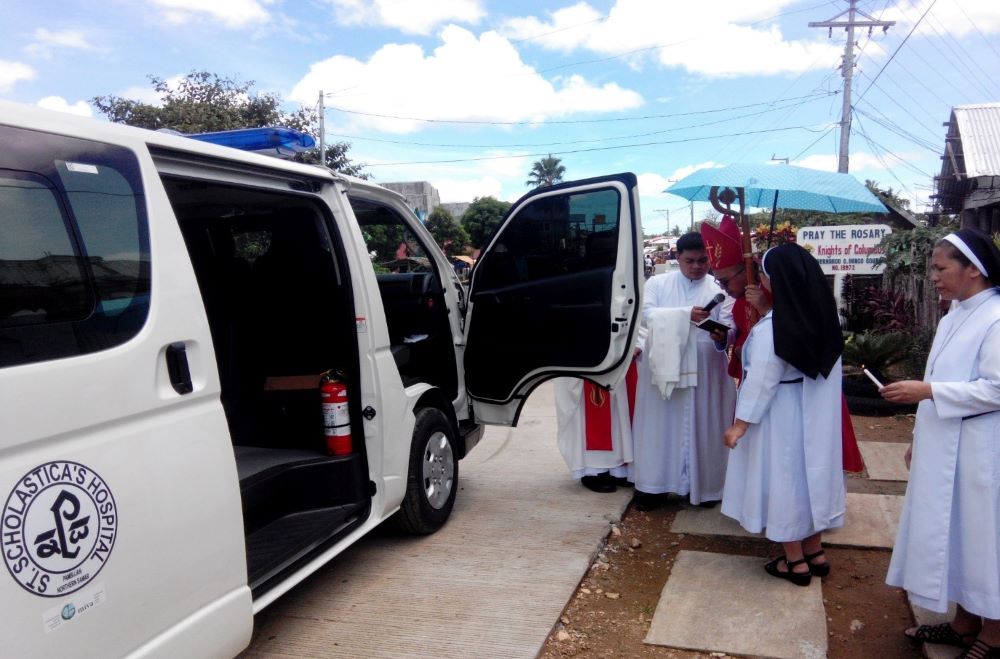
(432, 479)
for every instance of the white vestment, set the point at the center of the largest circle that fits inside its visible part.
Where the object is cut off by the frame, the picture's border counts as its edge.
(678, 442)
(947, 545)
(571, 436)
(785, 473)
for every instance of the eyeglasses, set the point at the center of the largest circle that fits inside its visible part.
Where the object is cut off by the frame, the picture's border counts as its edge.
(723, 283)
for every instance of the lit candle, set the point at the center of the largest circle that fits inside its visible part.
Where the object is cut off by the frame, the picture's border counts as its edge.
(872, 378)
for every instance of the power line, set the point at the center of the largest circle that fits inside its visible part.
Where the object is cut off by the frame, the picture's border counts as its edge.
(591, 149)
(571, 142)
(976, 28)
(898, 130)
(915, 103)
(899, 159)
(570, 121)
(957, 65)
(901, 44)
(904, 109)
(814, 142)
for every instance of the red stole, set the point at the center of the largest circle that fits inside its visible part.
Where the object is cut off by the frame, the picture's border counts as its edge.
(597, 411)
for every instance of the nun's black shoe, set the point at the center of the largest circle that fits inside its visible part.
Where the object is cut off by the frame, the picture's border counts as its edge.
(645, 501)
(621, 481)
(797, 578)
(602, 483)
(708, 504)
(818, 569)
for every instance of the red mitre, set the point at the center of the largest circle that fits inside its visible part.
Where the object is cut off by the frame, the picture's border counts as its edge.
(724, 245)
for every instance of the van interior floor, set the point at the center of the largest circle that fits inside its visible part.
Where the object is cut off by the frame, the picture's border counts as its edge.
(295, 503)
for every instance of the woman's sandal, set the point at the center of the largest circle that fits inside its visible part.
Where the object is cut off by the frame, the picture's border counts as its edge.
(797, 578)
(818, 569)
(980, 650)
(942, 634)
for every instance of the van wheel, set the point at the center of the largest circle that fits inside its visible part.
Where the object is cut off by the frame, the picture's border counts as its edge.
(433, 475)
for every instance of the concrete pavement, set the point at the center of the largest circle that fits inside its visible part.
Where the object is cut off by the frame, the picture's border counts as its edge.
(491, 583)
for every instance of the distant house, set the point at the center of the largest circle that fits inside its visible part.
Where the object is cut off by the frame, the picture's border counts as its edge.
(969, 184)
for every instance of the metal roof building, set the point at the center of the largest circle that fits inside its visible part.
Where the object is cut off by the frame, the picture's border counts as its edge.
(969, 183)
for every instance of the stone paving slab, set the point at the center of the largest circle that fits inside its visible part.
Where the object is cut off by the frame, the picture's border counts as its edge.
(871, 522)
(884, 460)
(923, 616)
(725, 603)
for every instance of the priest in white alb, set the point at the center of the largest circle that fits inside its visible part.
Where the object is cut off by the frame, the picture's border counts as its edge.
(684, 397)
(594, 429)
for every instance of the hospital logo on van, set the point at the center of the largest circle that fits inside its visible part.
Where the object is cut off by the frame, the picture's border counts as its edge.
(59, 527)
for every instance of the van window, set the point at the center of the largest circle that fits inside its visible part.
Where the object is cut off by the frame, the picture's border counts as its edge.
(554, 236)
(391, 245)
(74, 249)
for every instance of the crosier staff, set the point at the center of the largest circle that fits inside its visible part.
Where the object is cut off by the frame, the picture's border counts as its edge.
(722, 201)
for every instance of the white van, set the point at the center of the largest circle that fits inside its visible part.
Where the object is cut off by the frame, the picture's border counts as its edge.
(167, 311)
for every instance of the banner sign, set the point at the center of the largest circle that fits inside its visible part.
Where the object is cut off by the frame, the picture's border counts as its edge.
(849, 249)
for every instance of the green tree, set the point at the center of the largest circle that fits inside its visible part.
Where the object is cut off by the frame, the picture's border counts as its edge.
(204, 102)
(482, 218)
(888, 195)
(545, 172)
(446, 230)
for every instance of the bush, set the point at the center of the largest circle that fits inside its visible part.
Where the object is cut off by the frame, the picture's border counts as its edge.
(877, 352)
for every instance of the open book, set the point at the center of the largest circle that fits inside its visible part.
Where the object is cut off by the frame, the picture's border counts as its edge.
(710, 325)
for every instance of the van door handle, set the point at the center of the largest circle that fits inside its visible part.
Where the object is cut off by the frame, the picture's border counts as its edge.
(177, 368)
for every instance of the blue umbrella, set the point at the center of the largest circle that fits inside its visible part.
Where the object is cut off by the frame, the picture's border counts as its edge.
(782, 186)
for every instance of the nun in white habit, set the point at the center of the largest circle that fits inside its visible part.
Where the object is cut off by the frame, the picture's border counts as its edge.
(785, 469)
(947, 546)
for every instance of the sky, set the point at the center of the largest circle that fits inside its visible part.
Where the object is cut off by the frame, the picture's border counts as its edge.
(467, 94)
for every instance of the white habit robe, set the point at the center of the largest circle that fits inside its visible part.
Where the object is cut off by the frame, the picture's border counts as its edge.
(785, 474)
(678, 442)
(571, 436)
(947, 545)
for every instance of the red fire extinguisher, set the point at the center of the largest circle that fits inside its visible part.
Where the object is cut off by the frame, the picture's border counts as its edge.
(336, 418)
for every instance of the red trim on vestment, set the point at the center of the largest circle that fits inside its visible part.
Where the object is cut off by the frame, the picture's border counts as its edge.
(597, 418)
(853, 462)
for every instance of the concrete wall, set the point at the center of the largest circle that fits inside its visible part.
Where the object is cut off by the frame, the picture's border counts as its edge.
(421, 196)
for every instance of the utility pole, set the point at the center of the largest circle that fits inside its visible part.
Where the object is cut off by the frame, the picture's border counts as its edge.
(847, 67)
(322, 131)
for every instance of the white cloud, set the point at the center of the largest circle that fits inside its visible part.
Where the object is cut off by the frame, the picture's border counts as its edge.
(45, 41)
(60, 104)
(12, 73)
(679, 35)
(410, 16)
(486, 81)
(231, 13)
(957, 18)
(680, 173)
(143, 94)
(453, 190)
(652, 185)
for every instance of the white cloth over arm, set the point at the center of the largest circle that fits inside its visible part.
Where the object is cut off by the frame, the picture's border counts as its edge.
(672, 354)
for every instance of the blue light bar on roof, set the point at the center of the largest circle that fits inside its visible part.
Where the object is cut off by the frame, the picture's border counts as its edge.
(272, 141)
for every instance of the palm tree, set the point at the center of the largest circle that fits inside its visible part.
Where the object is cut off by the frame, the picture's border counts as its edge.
(546, 171)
